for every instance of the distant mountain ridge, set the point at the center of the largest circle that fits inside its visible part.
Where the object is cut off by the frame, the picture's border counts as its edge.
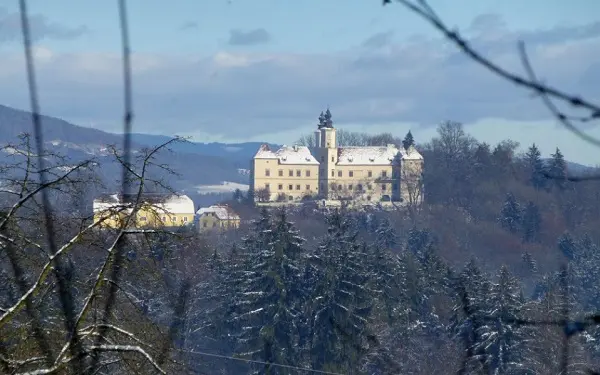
(241, 153)
(198, 164)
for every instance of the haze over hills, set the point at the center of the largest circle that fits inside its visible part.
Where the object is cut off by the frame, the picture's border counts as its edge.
(202, 168)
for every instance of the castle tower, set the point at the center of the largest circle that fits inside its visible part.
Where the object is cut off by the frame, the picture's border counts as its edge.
(327, 153)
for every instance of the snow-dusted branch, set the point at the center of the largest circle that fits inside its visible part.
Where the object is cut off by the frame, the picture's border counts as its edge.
(37, 190)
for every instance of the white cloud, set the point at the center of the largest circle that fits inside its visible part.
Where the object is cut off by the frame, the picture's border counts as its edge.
(245, 96)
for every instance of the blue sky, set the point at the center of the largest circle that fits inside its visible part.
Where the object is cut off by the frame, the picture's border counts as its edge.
(263, 69)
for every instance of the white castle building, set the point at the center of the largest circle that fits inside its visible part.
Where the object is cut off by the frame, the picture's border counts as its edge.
(367, 174)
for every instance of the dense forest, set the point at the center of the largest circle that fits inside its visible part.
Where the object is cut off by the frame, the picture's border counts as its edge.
(503, 240)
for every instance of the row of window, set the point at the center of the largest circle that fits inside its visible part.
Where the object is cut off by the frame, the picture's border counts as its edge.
(290, 187)
(307, 173)
(290, 173)
(164, 218)
(351, 173)
(359, 187)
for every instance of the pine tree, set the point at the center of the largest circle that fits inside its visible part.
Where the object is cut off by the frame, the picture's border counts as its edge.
(532, 223)
(408, 140)
(386, 236)
(568, 246)
(511, 215)
(342, 303)
(417, 241)
(483, 160)
(501, 338)
(529, 262)
(557, 170)
(535, 167)
(469, 311)
(270, 301)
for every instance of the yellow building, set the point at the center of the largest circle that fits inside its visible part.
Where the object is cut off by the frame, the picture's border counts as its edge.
(154, 210)
(288, 174)
(359, 174)
(217, 217)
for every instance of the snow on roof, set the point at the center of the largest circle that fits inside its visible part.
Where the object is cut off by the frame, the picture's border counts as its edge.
(371, 155)
(222, 212)
(411, 154)
(287, 155)
(171, 203)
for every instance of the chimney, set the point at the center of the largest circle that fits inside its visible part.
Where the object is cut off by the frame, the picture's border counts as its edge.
(317, 138)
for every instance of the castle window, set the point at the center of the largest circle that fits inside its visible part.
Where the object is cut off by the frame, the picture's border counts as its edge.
(332, 158)
(290, 187)
(298, 173)
(351, 174)
(383, 173)
(339, 187)
(332, 173)
(281, 173)
(350, 187)
(185, 219)
(370, 173)
(164, 218)
(383, 187)
(339, 173)
(359, 187)
(307, 173)
(369, 187)
(267, 172)
(307, 187)
(298, 187)
(204, 224)
(173, 219)
(280, 187)
(291, 173)
(267, 186)
(290, 198)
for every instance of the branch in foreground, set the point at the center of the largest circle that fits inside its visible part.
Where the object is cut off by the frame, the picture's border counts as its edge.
(99, 348)
(423, 10)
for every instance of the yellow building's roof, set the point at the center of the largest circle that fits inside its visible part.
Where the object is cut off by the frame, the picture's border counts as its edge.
(171, 203)
(222, 212)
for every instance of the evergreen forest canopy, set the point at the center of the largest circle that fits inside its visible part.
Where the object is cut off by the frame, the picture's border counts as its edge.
(424, 290)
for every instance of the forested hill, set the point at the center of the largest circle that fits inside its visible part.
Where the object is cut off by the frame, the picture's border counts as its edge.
(422, 290)
(413, 291)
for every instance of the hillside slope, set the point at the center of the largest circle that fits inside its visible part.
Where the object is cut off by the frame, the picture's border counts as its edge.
(80, 143)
